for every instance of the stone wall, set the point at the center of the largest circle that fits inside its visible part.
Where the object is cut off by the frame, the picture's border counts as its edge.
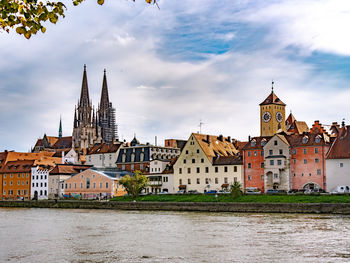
(312, 208)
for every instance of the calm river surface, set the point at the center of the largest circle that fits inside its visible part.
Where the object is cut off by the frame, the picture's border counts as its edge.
(49, 235)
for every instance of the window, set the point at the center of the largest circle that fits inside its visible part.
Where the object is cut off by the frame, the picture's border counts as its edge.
(275, 176)
(193, 160)
(70, 186)
(317, 160)
(280, 151)
(225, 169)
(206, 180)
(305, 151)
(186, 151)
(318, 171)
(206, 169)
(302, 174)
(305, 161)
(294, 175)
(262, 153)
(279, 162)
(66, 186)
(270, 152)
(253, 143)
(180, 181)
(294, 151)
(216, 169)
(295, 161)
(216, 180)
(81, 185)
(32, 184)
(197, 150)
(189, 181)
(198, 181)
(87, 183)
(318, 139)
(235, 169)
(262, 165)
(316, 150)
(274, 142)
(305, 139)
(184, 160)
(106, 185)
(309, 174)
(225, 180)
(255, 153)
(249, 165)
(272, 162)
(202, 160)
(75, 185)
(198, 170)
(263, 142)
(249, 178)
(100, 185)
(249, 153)
(188, 170)
(341, 165)
(94, 185)
(180, 170)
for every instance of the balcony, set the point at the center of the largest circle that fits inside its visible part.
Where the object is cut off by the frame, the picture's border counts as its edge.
(155, 183)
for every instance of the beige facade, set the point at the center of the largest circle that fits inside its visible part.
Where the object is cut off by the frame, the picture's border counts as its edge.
(197, 169)
(102, 160)
(277, 164)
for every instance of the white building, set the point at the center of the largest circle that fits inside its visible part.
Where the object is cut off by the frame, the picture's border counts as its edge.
(338, 161)
(103, 155)
(208, 163)
(40, 176)
(161, 177)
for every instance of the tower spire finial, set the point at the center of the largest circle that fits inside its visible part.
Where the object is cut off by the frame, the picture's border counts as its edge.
(272, 83)
(60, 128)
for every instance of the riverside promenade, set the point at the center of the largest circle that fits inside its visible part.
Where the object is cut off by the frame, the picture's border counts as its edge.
(306, 208)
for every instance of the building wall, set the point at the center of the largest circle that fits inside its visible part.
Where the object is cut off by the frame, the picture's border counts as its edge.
(338, 173)
(39, 183)
(56, 185)
(100, 185)
(16, 185)
(102, 160)
(187, 174)
(157, 166)
(254, 176)
(311, 171)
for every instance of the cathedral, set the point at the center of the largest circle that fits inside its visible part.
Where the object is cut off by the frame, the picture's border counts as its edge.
(93, 126)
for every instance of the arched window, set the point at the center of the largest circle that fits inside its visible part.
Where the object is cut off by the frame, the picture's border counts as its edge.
(305, 139)
(87, 183)
(318, 139)
(263, 142)
(253, 143)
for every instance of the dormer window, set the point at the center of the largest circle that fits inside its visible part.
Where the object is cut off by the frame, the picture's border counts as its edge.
(318, 139)
(253, 143)
(305, 139)
(263, 142)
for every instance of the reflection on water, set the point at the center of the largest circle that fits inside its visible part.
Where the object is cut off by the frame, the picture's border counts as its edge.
(49, 235)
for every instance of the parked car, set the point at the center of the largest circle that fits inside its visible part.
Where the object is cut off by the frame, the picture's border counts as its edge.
(211, 192)
(163, 193)
(271, 191)
(192, 192)
(181, 192)
(252, 191)
(224, 192)
(341, 189)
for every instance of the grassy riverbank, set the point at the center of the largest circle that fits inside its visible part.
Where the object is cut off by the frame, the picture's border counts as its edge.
(245, 198)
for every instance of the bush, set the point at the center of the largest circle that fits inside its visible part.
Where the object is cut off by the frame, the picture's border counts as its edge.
(236, 189)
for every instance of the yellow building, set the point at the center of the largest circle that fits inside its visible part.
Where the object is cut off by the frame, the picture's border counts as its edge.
(272, 115)
(208, 163)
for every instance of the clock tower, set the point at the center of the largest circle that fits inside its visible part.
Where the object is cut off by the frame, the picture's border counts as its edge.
(272, 115)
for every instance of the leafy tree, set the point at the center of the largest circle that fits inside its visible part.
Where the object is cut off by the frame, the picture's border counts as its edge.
(236, 189)
(134, 184)
(27, 16)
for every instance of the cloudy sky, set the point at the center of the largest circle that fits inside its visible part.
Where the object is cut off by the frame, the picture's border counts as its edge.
(168, 69)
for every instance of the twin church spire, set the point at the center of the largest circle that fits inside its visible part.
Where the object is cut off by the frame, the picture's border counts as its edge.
(92, 126)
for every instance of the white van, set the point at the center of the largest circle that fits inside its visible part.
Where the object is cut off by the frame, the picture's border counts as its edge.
(342, 189)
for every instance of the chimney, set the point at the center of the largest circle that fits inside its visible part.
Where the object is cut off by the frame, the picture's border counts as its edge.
(155, 140)
(343, 123)
(221, 138)
(229, 139)
(249, 138)
(208, 139)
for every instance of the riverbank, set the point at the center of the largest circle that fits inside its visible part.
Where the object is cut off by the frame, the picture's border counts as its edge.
(307, 208)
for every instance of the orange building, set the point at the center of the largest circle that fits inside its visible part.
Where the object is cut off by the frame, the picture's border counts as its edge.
(93, 183)
(16, 179)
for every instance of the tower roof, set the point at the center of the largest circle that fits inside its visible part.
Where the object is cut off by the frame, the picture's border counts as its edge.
(272, 99)
(104, 103)
(291, 119)
(84, 95)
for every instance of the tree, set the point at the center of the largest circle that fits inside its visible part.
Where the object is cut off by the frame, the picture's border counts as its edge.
(27, 16)
(134, 184)
(236, 189)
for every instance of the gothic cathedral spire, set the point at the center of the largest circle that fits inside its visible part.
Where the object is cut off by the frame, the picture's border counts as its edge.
(104, 103)
(84, 95)
(60, 129)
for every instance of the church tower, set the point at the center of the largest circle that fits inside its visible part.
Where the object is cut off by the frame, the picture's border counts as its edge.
(106, 115)
(272, 115)
(85, 134)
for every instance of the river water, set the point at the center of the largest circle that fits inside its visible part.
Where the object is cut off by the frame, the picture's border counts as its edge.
(49, 235)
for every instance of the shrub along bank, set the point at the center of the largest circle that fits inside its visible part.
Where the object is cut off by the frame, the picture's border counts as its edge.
(242, 199)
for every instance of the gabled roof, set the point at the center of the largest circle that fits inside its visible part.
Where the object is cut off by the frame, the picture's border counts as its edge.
(290, 120)
(23, 166)
(283, 138)
(272, 99)
(340, 148)
(68, 169)
(310, 138)
(228, 160)
(258, 143)
(104, 148)
(214, 146)
(63, 143)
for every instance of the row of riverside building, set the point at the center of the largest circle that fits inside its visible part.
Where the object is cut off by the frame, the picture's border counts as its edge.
(288, 155)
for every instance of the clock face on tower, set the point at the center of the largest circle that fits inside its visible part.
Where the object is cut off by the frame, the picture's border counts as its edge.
(266, 116)
(279, 117)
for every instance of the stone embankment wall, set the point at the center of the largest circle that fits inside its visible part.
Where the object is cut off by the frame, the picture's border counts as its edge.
(333, 208)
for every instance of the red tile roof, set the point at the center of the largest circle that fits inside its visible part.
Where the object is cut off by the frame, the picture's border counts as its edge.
(23, 166)
(272, 99)
(340, 148)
